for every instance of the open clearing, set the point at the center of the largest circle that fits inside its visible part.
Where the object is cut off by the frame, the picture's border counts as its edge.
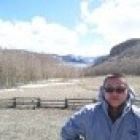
(63, 88)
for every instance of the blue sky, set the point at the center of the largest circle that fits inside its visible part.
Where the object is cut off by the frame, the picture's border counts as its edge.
(59, 11)
(81, 27)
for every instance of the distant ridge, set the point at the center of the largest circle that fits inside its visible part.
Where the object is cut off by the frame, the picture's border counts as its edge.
(77, 60)
(124, 57)
(125, 46)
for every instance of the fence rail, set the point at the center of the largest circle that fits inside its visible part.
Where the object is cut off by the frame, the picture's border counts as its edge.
(34, 103)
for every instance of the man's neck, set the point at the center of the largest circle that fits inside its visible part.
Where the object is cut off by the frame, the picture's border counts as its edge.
(115, 112)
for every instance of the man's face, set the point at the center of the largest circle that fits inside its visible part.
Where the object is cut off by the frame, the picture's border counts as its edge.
(115, 91)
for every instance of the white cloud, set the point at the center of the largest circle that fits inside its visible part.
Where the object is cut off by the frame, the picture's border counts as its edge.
(38, 35)
(115, 20)
(96, 48)
(81, 28)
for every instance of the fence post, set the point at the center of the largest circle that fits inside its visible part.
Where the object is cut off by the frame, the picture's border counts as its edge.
(66, 103)
(38, 105)
(94, 101)
(14, 102)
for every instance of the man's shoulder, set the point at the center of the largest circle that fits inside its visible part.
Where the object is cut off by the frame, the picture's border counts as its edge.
(91, 107)
(87, 110)
(136, 111)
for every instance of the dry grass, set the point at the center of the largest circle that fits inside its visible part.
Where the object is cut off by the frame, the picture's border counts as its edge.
(81, 88)
(74, 88)
(32, 124)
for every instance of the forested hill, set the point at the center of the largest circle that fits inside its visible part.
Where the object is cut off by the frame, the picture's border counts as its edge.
(124, 57)
(128, 48)
(20, 66)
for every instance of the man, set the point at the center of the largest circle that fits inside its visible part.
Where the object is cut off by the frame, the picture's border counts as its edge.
(112, 118)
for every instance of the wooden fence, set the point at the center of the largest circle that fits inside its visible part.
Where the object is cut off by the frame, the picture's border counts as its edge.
(34, 103)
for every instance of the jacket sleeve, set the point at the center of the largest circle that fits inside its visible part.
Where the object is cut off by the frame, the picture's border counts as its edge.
(75, 126)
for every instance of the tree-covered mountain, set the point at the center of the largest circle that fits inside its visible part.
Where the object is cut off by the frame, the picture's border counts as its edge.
(124, 57)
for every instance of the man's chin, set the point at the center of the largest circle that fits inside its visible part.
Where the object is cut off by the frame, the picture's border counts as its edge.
(116, 104)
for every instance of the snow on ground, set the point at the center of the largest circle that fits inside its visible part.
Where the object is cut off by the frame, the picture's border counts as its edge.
(50, 82)
(44, 85)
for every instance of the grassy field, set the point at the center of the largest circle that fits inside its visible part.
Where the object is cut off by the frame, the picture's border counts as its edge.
(64, 88)
(45, 124)
(32, 124)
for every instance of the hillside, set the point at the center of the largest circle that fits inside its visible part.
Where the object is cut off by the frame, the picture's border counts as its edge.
(20, 66)
(124, 57)
(127, 48)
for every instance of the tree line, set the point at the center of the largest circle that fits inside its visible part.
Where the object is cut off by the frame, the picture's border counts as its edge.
(20, 67)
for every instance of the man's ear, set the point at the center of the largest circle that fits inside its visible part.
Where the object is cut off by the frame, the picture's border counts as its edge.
(101, 92)
(102, 89)
(131, 91)
(131, 94)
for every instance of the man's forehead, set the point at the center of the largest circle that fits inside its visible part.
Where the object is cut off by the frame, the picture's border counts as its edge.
(120, 81)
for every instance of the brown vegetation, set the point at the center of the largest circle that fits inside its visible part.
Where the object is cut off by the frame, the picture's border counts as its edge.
(19, 66)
